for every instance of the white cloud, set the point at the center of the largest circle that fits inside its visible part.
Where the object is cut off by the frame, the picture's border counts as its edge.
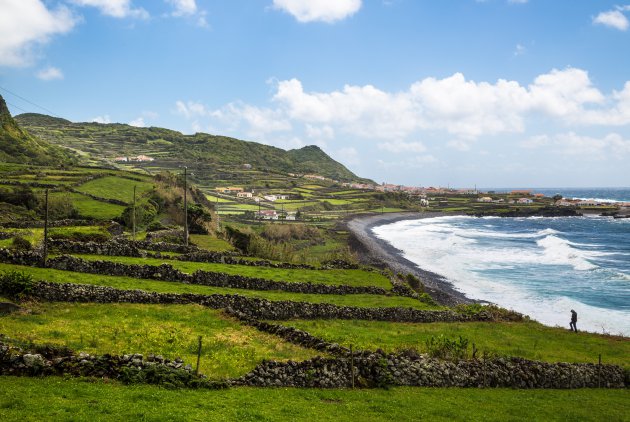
(348, 156)
(115, 8)
(452, 108)
(49, 73)
(613, 18)
(519, 50)
(611, 145)
(320, 132)
(139, 122)
(318, 10)
(105, 119)
(402, 146)
(191, 109)
(183, 7)
(517, 1)
(26, 24)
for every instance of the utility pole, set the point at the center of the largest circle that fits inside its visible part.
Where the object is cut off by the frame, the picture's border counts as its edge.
(133, 214)
(185, 207)
(46, 230)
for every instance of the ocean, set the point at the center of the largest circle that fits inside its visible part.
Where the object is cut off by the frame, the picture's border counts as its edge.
(542, 267)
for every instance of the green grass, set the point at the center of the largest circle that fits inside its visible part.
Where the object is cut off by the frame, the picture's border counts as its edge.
(215, 199)
(32, 399)
(211, 243)
(334, 277)
(36, 235)
(91, 208)
(229, 349)
(529, 340)
(128, 283)
(113, 187)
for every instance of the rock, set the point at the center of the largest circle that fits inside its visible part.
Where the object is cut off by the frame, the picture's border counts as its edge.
(8, 307)
(33, 361)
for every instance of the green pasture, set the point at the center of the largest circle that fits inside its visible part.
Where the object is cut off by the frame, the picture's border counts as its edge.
(91, 208)
(529, 340)
(335, 277)
(229, 349)
(113, 187)
(54, 398)
(129, 283)
(210, 243)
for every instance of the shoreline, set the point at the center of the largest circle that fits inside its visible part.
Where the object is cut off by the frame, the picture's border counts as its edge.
(380, 253)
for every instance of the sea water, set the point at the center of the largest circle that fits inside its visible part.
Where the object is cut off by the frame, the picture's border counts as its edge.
(542, 267)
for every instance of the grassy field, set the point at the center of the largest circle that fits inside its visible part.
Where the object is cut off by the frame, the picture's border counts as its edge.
(529, 340)
(335, 277)
(29, 399)
(113, 187)
(91, 208)
(128, 283)
(229, 349)
(210, 243)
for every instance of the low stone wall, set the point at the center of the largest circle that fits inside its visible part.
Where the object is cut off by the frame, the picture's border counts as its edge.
(255, 308)
(132, 368)
(166, 272)
(99, 198)
(40, 224)
(378, 370)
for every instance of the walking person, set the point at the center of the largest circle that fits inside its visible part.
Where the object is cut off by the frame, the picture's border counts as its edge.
(573, 321)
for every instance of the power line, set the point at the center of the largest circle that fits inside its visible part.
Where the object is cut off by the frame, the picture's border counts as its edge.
(19, 108)
(30, 102)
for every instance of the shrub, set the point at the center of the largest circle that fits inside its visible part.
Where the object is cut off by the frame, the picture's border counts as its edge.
(21, 244)
(16, 284)
(442, 347)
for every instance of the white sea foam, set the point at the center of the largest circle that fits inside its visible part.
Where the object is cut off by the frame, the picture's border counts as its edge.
(559, 251)
(443, 246)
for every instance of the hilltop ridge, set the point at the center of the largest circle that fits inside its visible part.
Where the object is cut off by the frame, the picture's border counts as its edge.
(19, 146)
(103, 142)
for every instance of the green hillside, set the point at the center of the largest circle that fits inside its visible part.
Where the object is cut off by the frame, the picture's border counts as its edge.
(18, 146)
(104, 142)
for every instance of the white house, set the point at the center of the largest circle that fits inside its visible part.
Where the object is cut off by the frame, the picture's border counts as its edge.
(267, 214)
(270, 198)
(244, 195)
(484, 199)
(524, 201)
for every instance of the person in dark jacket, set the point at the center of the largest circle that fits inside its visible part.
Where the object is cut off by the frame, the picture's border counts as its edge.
(573, 321)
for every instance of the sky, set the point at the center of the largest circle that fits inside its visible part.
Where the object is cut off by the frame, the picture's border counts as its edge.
(492, 93)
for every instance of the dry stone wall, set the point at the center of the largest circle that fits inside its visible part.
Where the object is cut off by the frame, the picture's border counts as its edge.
(166, 272)
(255, 308)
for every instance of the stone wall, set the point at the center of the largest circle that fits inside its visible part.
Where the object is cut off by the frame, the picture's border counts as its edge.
(370, 369)
(131, 368)
(166, 272)
(255, 308)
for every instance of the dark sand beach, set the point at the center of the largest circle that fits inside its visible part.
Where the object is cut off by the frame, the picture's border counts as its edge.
(378, 252)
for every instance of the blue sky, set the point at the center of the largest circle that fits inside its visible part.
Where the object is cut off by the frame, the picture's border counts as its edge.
(451, 92)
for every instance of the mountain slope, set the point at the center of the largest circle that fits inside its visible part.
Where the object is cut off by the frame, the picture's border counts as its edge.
(106, 141)
(18, 146)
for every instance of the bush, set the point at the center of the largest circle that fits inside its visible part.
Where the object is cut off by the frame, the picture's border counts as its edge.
(442, 347)
(21, 244)
(494, 312)
(288, 232)
(16, 284)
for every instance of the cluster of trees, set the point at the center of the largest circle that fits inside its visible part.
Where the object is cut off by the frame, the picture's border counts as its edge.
(59, 204)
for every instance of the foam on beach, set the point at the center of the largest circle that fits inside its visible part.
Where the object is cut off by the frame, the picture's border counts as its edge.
(540, 271)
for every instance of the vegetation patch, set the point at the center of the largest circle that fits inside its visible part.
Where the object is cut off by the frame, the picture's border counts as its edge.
(529, 340)
(172, 331)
